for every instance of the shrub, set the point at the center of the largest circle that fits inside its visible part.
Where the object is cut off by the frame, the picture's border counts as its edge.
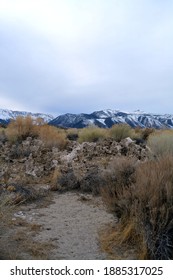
(52, 136)
(120, 131)
(64, 180)
(118, 177)
(72, 134)
(153, 207)
(55, 179)
(161, 143)
(3, 137)
(20, 128)
(146, 132)
(140, 135)
(92, 134)
(23, 127)
(144, 206)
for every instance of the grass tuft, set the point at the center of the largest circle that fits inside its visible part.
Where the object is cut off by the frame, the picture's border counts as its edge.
(92, 134)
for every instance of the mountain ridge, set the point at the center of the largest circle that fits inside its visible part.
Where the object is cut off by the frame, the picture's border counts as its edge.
(6, 115)
(102, 118)
(107, 118)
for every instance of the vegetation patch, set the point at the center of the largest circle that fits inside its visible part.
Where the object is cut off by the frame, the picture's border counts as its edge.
(161, 143)
(92, 134)
(120, 131)
(144, 206)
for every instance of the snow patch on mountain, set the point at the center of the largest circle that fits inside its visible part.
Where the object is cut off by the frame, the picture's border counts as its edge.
(6, 115)
(102, 118)
(107, 118)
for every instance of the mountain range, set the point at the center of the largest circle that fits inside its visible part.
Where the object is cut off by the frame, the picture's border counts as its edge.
(7, 115)
(103, 118)
(107, 118)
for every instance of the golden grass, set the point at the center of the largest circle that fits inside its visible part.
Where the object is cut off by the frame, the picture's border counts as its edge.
(23, 127)
(52, 136)
(120, 242)
(20, 128)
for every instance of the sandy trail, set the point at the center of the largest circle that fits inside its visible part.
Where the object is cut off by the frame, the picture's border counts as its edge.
(71, 223)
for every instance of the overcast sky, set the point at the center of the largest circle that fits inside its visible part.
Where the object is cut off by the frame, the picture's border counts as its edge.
(59, 56)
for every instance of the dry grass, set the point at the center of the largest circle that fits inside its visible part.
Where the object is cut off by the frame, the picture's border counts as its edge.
(144, 206)
(20, 128)
(161, 143)
(23, 127)
(2, 134)
(54, 186)
(141, 135)
(118, 177)
(52, 136)
(22, 246)
(153, 206)
(120, 131)
(17, 235)
(120, 242)
(92, 134)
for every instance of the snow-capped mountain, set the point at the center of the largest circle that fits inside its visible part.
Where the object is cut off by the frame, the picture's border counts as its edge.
(107, 118)
(104, 118)
(7, 115)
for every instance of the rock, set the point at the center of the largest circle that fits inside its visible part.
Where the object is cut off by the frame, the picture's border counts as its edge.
(126, 142)
(81, 165)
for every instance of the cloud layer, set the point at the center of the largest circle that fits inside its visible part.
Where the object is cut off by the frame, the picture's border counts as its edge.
(79, 56)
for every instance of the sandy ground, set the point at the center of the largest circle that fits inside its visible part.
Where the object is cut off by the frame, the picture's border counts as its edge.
(71, 223)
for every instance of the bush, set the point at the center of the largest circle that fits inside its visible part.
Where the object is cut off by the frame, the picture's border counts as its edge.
(140, 135)
(146, 132)
(92, 134)
(72, 134)
(118, 177)
(52, 136)
(143, 202)
(153, 207)
(23, 127)
(161, 143)
(20, 128)
(3, 137)
(120, 131)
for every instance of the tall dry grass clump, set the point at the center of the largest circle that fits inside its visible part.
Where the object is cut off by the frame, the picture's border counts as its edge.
(20, 128)
(153, 206)
(23, 127)
(120, 131)
(52, 136)
(161, 143)
(92, 134)
(118, 177)
(144, 206)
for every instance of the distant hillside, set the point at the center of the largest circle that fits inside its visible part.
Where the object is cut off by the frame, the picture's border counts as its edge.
(107, 118)
(104, 118)
(7, 115)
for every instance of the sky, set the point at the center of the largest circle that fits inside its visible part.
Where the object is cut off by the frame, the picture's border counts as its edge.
(80, 56)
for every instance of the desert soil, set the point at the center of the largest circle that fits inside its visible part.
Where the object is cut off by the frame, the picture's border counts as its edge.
(67, 228)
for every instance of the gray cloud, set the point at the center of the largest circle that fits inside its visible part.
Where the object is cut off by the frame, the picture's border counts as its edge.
(87, 55)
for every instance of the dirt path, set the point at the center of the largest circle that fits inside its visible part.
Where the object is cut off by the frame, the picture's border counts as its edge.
(71, 223)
